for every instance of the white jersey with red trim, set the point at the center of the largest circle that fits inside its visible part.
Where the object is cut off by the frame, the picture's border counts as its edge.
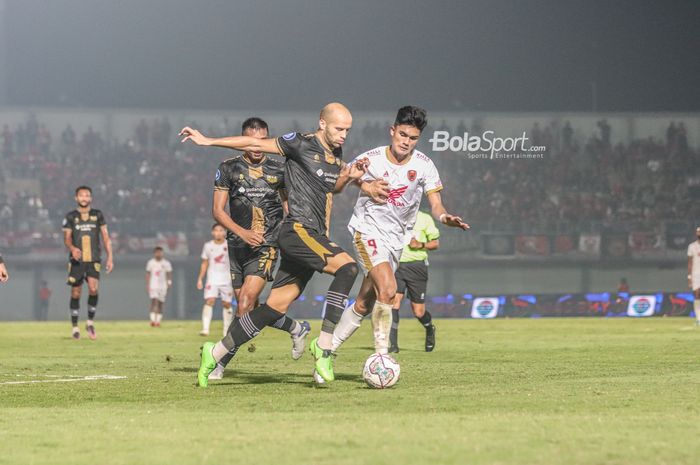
(219, 269)
(394, 220)
(158, 270)
(694, 255)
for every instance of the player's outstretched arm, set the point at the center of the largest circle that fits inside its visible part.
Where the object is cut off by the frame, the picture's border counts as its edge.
(440, 213)
(218, 211)
(242, 143)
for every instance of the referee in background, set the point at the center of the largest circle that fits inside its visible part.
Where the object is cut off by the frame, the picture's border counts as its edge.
(412, 278)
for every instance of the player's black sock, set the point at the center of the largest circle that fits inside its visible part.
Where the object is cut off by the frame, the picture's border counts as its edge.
(394, 333)
(426, 320)
(249, 325)
(92, 306)
(337, 295)
(285, 323)
(74, 310)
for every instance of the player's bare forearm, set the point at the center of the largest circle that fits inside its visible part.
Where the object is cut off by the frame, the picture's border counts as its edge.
(68, 241)
(440, 213)
(343, 180)
(225, 220)
(203, 269)
(432, 245)
(352, 172)
(243, 143)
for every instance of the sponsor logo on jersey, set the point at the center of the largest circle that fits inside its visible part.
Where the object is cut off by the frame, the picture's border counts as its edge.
(319, 172)
(289, 136)
(386, 174)
(220, 258)
(412, 175)
(395, 195)
(218, 175)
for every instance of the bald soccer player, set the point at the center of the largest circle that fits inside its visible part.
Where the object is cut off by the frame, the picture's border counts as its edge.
(313, 171)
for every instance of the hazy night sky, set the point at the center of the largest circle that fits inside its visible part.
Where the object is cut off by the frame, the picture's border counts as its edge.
(294, 55)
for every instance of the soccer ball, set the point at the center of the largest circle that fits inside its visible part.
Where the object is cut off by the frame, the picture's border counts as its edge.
(381, 371)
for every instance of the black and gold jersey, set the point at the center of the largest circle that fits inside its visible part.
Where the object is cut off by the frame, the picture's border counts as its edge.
(254, 200)
(85, 232)
(311, 171)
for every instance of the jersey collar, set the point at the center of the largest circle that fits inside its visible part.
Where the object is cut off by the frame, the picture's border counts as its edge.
(387, 153)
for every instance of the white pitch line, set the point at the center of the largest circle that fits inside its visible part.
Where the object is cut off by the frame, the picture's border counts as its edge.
(66, 380)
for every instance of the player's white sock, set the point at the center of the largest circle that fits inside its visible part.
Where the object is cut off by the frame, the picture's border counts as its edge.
(228, 319)
(295, 329)
(207, 312)
(696, 307)
(159, 316)
(381, 321)
(348, 324)
(153, 317)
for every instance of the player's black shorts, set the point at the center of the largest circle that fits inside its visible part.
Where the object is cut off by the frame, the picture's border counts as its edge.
(412, 277)
(78, 271)
(304, 251)
(249, 261)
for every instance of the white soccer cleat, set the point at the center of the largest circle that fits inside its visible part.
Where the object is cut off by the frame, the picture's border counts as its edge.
(299, 341)
(318, 379)
(218, 373)
(204, 333)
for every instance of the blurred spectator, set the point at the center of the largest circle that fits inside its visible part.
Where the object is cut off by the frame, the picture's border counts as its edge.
(44, 296)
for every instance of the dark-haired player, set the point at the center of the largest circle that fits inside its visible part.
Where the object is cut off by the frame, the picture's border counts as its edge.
(380, 230)
(313, 172)
(159, 279)
(253, 186)
(82, 230)
(217, 268)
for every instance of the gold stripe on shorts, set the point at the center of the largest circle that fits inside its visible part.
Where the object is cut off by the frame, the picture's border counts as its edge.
(310, 242)
(364, 256)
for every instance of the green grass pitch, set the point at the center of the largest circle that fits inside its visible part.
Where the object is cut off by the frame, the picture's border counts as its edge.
(550, 391)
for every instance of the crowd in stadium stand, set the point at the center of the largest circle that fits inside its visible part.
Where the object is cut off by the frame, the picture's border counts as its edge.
(150, 182)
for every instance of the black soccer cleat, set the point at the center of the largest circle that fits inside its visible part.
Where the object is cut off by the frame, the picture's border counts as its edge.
(394, 349)
(430, 338)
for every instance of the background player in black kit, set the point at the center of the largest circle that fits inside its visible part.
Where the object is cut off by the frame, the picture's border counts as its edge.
(253, 186)
(312, 174)
(82, 230)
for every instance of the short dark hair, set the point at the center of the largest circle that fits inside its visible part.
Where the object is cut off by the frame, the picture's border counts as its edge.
(412, 116)
(254, 123)
(83, 188)
(157, 248)
(217, 224)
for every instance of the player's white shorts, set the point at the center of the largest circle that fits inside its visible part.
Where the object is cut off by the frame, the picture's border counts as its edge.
(695, 281)
(158, 293)
(371, 250)
(219, 291)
